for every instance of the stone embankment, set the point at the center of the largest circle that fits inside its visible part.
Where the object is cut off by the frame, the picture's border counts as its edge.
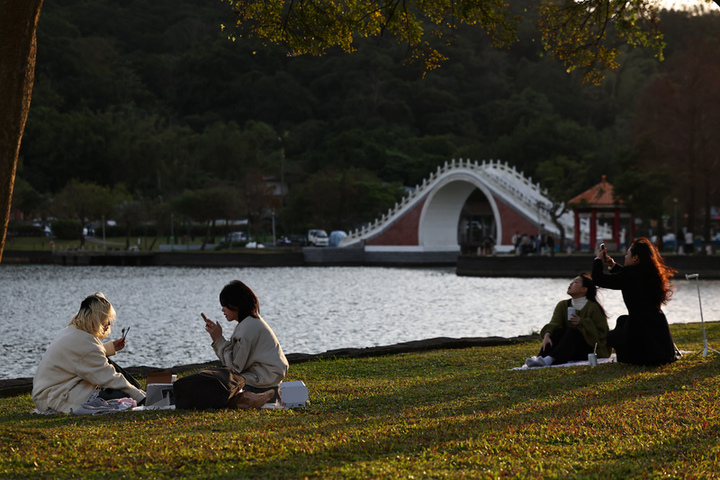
(535, 266)
(568, 266)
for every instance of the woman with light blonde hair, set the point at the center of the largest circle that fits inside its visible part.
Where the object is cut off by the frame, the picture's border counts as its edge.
(95, 316)
(75, 369)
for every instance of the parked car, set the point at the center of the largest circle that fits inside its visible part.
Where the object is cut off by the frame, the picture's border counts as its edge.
(317, 238)
(236, 237)
(298, 240)
(292, 241)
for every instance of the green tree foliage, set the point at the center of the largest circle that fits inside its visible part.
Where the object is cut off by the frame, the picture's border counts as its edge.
(645, 191)
(257, 198)
(207, 205)
(28, 200)
(313, 26)
(340, 200)
(160, 100)
(679, 111)
(560, 175)
(67, 228)
(88, 201)
(579, 33)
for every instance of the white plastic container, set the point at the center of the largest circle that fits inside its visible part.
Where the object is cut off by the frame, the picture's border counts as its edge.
(293, 394)
(160, 395)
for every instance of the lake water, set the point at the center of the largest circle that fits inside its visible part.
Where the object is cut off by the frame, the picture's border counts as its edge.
(311, 309)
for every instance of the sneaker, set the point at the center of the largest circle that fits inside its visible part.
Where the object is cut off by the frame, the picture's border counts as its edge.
(535, 362)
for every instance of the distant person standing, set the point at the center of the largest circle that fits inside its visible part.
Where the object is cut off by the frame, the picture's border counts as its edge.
(551, 244)
(689, 247)
(541, 244)
(488, 245)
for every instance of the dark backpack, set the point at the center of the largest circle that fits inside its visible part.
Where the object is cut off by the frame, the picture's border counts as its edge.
(207, 388)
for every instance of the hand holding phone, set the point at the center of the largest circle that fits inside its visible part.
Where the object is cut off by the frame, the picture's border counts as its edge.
(213, 328)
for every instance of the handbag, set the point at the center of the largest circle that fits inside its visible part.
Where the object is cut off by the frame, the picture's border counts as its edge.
(211, 388)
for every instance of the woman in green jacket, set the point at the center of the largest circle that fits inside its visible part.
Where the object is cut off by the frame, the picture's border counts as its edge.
(572, 334)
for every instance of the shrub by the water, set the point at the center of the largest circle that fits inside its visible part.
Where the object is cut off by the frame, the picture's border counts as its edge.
(67, 228)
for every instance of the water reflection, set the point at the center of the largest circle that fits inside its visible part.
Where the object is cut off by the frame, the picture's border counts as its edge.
(311, 310)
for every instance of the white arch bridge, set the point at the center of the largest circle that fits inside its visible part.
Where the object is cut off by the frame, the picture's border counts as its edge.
(429, 218)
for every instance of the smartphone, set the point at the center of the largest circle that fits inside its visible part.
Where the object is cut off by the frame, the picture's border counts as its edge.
(125, 332)
(204, 317)
(603, 250)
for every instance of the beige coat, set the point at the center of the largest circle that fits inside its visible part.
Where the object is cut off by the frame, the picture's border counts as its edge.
(254, 351)
(73, 367)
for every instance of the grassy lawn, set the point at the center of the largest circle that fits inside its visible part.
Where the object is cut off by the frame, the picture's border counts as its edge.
(439, 414)
(43, 243)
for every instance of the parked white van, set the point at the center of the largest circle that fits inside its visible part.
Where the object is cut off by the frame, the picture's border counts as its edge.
(317, 238)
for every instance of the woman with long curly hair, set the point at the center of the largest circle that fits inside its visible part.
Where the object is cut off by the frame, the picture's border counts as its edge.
(642, 337)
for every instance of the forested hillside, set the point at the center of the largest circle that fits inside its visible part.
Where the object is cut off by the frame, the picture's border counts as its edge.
(156, 105)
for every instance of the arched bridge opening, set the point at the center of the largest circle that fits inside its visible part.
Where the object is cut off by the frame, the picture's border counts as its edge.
(458, 213)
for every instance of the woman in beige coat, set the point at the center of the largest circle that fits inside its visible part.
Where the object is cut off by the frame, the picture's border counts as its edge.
(253, 349)
(75, 369)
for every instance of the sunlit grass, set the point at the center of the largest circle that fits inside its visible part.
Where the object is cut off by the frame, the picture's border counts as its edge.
(439, 414)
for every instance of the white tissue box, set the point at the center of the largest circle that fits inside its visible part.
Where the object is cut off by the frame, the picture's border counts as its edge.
(160, 395)
(293, 394)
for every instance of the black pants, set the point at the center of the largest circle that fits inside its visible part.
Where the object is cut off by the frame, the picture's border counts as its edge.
(567, 345)
(642, 340)
(111, 393)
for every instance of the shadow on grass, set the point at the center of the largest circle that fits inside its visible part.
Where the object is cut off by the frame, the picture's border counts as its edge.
(495, 423)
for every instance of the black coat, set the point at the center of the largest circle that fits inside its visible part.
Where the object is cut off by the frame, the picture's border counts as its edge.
(642, 337)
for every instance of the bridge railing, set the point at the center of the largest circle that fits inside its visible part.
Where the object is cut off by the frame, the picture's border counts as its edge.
(504, 178)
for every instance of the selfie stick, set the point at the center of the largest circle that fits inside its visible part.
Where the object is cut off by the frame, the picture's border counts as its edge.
(702, 320)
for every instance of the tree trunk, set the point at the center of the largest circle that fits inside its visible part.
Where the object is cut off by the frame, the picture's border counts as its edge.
(18, 46)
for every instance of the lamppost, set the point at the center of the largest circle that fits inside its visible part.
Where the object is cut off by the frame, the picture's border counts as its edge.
(677, 229)
(273, 227)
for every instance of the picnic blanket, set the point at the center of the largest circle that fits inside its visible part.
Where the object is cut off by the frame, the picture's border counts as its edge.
(577, 363)
(611, 359)
(96, 406)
